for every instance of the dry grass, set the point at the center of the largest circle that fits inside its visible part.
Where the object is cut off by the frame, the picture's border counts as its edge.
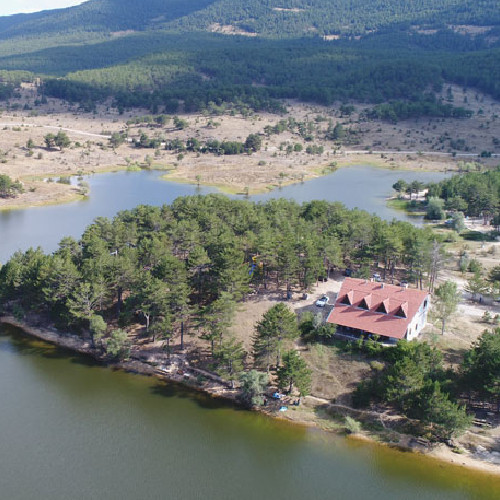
(268, 168)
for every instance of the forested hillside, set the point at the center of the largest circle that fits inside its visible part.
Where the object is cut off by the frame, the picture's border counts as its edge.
(274, 18)
(99, 16)
(295, 17)
(151, 52)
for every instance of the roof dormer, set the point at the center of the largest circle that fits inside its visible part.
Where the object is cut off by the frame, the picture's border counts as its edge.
(402, 311)
(366, 302)
(347, 299)
(383, 307)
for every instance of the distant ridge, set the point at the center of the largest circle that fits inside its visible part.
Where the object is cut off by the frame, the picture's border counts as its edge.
(271, 18)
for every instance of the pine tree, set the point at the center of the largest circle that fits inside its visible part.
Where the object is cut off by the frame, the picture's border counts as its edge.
(277, 325)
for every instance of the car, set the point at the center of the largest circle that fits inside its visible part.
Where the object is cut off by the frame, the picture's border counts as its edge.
(322, 301)
(377, 277)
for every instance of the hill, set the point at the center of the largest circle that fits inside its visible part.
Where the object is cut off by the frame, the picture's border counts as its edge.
(335, 17)
(157, 52)
(99, 16)
(273, 18)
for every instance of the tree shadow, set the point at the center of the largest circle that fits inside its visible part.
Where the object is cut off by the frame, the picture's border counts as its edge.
(203, 400)
(23, 344)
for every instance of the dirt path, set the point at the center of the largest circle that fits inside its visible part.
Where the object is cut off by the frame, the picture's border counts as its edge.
(54, 127)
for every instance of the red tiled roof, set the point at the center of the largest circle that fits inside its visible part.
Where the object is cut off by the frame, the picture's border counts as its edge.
(395, 300)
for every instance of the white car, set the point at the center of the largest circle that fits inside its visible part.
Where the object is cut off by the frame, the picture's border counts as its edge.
(322, 301)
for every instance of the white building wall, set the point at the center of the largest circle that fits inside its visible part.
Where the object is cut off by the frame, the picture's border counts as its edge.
(419, 320)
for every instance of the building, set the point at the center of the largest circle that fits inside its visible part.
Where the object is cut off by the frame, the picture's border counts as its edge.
(393, 313)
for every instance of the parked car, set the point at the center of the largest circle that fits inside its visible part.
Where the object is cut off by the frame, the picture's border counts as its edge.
(377, 277)
(322, 301)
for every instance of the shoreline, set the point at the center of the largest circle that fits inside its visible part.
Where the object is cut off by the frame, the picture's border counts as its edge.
(216, 388)
(60, 194)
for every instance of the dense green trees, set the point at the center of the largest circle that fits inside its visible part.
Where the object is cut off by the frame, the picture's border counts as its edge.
(423, 105)
(268, 18)
(173, 266)
(474, 193)
(415, 382)
(171, 57)
(184, 267)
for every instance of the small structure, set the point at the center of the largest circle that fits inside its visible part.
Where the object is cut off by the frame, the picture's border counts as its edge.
(367, 308)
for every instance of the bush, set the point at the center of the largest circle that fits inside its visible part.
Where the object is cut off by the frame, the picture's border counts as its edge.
(435, 209)
(8, 187)
(475, 266)
(352, 426)
(486, 317)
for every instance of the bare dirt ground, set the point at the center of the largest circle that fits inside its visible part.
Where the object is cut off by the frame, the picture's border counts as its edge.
(467, 324)
(422, 144)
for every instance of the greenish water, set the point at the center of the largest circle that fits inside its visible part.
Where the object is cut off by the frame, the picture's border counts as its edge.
(72, 429)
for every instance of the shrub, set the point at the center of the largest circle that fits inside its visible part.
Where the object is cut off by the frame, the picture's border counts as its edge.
(352, 426)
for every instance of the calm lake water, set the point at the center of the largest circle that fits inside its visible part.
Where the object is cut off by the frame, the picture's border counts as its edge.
(71, 429)
(362, 187)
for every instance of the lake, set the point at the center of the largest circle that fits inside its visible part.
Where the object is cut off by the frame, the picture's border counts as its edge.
(364, 187)
(72, 429)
